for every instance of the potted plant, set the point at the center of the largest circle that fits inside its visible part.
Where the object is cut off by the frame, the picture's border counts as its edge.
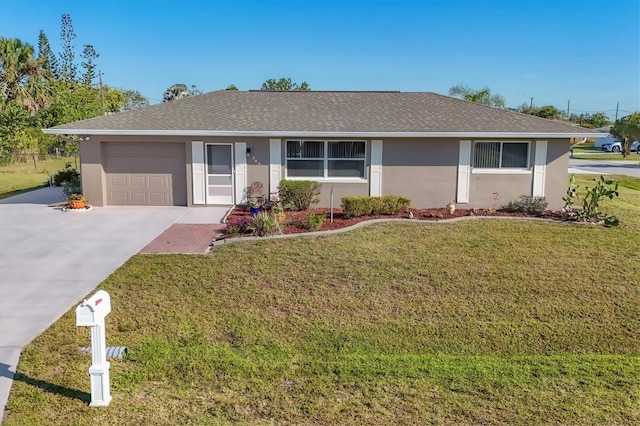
(253, 206)
(77, 201)
(451, 207)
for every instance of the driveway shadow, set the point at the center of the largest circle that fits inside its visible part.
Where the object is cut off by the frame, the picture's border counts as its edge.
(5, 371)
(47, 195)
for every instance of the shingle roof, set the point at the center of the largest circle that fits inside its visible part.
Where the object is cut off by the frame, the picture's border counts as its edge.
(326, 112)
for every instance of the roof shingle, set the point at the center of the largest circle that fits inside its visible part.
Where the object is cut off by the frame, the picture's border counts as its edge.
(330, 112)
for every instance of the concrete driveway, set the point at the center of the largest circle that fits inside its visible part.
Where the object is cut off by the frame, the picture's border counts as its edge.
(50, 260)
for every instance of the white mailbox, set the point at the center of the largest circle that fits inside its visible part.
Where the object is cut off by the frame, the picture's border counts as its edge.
(93, 310)
(91, 313)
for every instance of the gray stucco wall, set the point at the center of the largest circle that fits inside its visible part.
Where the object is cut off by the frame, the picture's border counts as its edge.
(425, 170)
(556, 176)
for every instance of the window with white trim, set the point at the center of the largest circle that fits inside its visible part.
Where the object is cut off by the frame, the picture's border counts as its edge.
(501, 155)
(326, 159)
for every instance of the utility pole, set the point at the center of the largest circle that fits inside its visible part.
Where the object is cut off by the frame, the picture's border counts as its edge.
(531, 104)
(617, 106)
(568, 107)
(101, 91)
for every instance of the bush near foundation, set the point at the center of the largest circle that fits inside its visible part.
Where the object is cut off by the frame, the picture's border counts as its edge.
(363, 206)
(527, 204)
(299, 194)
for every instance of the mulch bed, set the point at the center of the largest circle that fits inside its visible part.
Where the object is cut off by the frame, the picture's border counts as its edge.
(296, 220)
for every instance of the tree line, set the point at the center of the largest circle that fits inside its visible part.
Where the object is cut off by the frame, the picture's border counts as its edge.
(41, 89)
(626, 129)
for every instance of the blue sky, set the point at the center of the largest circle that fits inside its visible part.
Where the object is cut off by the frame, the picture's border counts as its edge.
(587, 51)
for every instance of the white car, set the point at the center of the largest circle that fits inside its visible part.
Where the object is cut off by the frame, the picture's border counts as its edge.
(616, 146)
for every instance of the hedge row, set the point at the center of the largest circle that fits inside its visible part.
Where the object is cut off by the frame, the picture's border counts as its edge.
(363, 206)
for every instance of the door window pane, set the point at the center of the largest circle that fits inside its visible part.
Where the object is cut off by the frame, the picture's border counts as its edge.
(219, 159)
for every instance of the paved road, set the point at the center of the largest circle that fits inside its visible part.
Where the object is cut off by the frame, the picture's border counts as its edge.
(50, 260)
(627, 167)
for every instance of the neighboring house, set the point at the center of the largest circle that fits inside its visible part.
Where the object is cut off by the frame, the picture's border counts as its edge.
(209, 149)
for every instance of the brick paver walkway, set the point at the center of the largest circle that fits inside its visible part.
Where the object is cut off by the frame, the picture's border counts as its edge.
(184, 238)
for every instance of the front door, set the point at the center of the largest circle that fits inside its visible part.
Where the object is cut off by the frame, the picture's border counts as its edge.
(219, 174)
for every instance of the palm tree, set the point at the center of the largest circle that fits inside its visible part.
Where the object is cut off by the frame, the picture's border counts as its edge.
(23, 78)
(482, 96)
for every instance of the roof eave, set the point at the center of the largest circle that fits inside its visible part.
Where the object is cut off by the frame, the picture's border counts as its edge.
(289, 133)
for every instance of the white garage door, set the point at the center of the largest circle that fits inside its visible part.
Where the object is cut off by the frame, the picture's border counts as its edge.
(145, 173)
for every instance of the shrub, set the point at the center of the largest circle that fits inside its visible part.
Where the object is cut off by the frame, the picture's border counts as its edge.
(72, 186)
(527, 204)
(68, 174)
(363, 206)
(603, 189)
(299, 194)
(265, 224)
(314, 221)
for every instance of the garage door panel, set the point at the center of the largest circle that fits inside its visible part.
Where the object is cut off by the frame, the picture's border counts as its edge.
(145, 173)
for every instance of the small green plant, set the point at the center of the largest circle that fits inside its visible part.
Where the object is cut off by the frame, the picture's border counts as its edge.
(265, 224)
(603, 189)
(77, 197)
(572, 194)
(299, 194)
(314, 221)
(528, 204)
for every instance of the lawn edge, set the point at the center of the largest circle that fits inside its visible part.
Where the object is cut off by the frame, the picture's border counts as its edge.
(224, 241)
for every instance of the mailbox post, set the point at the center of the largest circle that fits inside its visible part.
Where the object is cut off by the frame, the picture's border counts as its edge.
(91, 313)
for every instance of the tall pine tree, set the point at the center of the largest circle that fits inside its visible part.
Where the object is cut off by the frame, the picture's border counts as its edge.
(90, 55)
(68, 69)
(44, 51)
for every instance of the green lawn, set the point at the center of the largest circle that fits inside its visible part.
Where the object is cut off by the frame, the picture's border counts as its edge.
(475, 322)
(607, 157)
(22, 177)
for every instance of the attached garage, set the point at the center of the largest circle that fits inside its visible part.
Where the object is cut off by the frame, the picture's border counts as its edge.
(142, 174)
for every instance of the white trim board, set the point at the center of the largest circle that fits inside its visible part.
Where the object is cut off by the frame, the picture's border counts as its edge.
(320, 134)
(375, 169)
(275, 164)
(197, 172)
(464, 169)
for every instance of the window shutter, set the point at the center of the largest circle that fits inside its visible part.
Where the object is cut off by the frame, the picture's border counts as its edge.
(275, 164)
(464, 172)
(240, 171)
(375, 180)
(539, 168)
(197, 171)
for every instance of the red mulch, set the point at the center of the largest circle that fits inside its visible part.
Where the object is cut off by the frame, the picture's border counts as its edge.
(296, 221)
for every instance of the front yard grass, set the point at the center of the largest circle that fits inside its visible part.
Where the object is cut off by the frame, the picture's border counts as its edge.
(23, 177)
(475, 322)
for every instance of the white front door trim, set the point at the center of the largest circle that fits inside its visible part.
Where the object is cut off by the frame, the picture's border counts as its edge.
(219, 186)
(240, 172)
(197, 172)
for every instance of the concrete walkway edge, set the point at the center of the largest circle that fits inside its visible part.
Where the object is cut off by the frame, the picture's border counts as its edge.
(224, 241)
